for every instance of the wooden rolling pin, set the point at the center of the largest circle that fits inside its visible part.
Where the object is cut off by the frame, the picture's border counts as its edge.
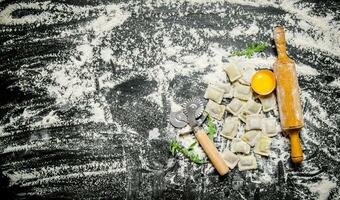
(288, 95)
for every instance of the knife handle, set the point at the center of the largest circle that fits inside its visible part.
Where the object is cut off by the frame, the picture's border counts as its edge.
(212, 153)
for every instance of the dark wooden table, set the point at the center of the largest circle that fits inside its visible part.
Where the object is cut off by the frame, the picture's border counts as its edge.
(86, 89)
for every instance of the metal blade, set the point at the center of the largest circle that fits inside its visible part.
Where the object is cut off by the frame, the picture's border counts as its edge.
(202, 118)
(178, 119)
(194, 109)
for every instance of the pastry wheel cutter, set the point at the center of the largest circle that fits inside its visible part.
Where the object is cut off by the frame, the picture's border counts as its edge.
(193, 115)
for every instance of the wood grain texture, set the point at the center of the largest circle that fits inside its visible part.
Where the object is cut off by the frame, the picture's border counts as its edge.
(288, 95)
(287, 88)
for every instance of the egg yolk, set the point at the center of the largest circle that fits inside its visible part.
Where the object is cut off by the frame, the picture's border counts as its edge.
(263, 82)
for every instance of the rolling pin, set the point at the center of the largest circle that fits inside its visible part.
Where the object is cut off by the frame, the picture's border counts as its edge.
(288, 95)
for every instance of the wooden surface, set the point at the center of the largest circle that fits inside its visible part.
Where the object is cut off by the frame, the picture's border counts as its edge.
(87, 86)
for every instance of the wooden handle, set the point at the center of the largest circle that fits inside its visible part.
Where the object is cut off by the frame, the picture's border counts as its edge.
(295, 147)
(280, 41)
(212, 153)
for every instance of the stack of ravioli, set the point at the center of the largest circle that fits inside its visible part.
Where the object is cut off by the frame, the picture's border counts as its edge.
(248, 120)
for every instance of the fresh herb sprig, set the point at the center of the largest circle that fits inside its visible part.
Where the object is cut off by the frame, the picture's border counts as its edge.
(175, 147)
(211, 128)
(249, 51)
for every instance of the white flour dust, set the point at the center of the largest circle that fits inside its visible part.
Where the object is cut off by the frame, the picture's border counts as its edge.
(322, 188)
(68, 87)
(74, 79)
(154, 134)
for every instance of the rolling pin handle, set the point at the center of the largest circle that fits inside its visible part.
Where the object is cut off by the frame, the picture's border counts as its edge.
(212, 153)
(296, 149)
(280, 41)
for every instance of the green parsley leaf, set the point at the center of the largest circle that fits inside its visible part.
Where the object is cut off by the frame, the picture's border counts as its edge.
(249, 51)
(175, 147)
(211, 128)
(192, 146)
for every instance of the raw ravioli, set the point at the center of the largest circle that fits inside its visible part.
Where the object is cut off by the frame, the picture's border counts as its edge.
(254, 122)
(268, 102)
(233, 72)
(269, 126)
(247, 162)
(251, 107)
(239, 146)
(215, 110)
(230, 127)
(230, 158)
(262, 145)
(227, 88)
(247, 75)
(242, 92)
(250, 137)
(214, 93)
(235, 106)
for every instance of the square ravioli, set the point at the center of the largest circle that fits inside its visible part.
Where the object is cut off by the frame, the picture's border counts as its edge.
(251, 107)
(247, 162)
(215, 110)
(250, 137)
(270, 126)
(247, 75)
(230, 127)
(268, 102)
(233, 72)
(254, 122)
(230, 158)
(214, 93)
(227, 88)
(242, 92)
(262, 146)
(235, 106)
(239, 146)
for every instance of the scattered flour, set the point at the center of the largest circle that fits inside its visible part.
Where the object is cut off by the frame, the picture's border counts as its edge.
(98, 113)
(266, 178)
(174, 106)
(303, 40)
(25, 147)
(335, 83)
(106, 54)
(323, 188)
(52, 13)
(106, 81)
(73, 79)
(50, 119)
(154, 134)
(156, 97)
(252, 30)
(319, 114)
(303, 69)
(115, 17)
(43, 175)
(237, 31)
